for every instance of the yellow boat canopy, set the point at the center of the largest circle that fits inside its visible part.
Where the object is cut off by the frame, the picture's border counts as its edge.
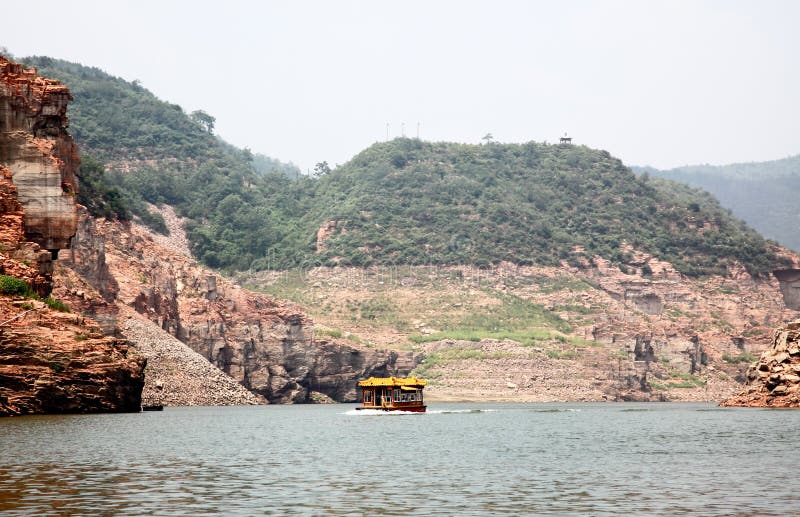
(410, 383)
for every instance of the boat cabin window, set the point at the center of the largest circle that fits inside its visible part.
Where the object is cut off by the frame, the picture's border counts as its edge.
(397, 394)
(367, 396)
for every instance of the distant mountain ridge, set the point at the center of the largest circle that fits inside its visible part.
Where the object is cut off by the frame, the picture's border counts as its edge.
(764, 194)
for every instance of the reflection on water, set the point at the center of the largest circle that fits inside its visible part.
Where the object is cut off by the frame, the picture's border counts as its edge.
(465, 459)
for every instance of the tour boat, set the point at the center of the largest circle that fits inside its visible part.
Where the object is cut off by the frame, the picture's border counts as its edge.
(392, 394)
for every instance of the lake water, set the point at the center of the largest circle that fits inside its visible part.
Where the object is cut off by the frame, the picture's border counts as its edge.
(458, 459)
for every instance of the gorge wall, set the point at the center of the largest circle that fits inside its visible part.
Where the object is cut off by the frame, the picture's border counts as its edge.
(267, 346)
(624, 335)
(41, 156)
(50, 361)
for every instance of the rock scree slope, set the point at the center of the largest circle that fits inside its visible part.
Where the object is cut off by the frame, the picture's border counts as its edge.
(177, 375)
(265, 345)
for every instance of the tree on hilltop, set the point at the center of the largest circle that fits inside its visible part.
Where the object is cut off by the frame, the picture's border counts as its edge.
(203, 119)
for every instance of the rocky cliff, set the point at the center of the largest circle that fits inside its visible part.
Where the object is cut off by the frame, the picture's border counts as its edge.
(774, 380)
(41, 156)
(20, 258)
(267, 346)
(55, 362)
(50, 361)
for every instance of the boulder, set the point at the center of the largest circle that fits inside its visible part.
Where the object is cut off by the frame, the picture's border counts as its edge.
(774, 380)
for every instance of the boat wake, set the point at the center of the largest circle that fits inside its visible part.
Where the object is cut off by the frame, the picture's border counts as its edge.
(457, 411)
(378, 412)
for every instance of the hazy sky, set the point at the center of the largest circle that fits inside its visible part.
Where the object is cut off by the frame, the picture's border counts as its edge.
(659, 83)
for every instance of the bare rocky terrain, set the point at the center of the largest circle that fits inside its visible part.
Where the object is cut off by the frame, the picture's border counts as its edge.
(265, 345)
(175, 374)
(546, 334)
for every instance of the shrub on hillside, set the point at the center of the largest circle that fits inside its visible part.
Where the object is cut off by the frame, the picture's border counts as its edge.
(13, 286)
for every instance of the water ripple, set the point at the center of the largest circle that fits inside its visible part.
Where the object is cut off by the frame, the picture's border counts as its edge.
(510, 459)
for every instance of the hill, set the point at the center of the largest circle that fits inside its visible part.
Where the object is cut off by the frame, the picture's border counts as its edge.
(400, 202)
(747, 189)
(413, 202)
(175, 159)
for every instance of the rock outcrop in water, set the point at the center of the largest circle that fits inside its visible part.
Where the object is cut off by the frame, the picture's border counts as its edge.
(50, 361)
(56, 362)
(774, 380)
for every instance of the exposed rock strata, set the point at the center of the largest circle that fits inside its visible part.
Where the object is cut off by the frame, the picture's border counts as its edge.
(653, 337)
(53, 362)
(41, 156)
(774, 380)
(50, 362)
(19, 258)
(265, 345)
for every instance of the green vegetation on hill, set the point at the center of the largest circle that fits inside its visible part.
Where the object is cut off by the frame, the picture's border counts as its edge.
(95, 193)
(174, 159)
(408, 201)
(763, 194)
(117, 119)
(400, 202)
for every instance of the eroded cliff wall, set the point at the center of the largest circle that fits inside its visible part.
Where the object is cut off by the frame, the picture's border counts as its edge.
(265, 345)
(41, 156)
(50, 361)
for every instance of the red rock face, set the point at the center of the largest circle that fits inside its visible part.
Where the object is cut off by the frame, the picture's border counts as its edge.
(18, 258)
(36, 148)
(55, 362)
(50, 361)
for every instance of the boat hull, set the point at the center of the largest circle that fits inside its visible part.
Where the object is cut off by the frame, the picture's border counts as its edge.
(410, 409)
